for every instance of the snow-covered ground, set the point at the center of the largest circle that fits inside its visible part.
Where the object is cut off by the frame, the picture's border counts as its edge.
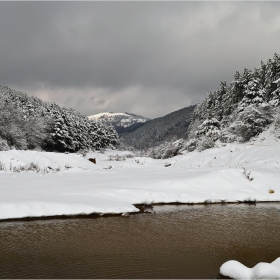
(71, 184)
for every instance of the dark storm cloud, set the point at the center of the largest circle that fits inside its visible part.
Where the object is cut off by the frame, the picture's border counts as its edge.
(148, 58)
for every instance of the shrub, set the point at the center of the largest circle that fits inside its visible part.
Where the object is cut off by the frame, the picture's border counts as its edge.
(4, 146)
(166, 150)
(190, 145)
(248, 123)
(205, 143)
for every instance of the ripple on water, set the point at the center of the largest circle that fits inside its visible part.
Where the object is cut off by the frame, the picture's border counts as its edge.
(176, 242)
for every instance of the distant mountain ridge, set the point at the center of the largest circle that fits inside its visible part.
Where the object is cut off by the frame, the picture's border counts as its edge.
(156, 131)
(121, 121)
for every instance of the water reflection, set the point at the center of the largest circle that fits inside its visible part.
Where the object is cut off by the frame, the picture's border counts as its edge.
(175, 242)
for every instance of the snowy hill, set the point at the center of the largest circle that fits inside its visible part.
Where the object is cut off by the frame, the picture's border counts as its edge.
(239, 111)
(27, 122)
(161, 129)
(123, 120)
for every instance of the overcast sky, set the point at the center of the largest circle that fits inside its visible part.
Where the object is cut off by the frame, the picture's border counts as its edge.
(147, 58)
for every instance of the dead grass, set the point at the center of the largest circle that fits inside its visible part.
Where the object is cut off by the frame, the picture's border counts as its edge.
(30, 167)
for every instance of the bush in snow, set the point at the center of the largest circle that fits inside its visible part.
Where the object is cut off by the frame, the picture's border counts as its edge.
(30, 167)
(120, 158)
(190, 145)
(205, 136)
(248, 123)
(277, 121)
(166, 150)
(205, 143)
(4, 146)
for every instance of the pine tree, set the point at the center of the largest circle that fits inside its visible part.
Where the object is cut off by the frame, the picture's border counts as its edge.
(242, 109)
(210, 128)
(28, 123)
(275, 95)
(260, 73)
(254, 94)
(237, 88)
(247, 76)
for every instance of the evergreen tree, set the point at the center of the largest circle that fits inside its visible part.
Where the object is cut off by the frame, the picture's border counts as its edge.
(243, 109)
(254, 94)
(29, 123)
(237, 88)
(260, 73)
(210, 128)
(275, 95)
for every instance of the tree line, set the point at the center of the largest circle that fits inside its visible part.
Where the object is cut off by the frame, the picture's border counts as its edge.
(26, 122)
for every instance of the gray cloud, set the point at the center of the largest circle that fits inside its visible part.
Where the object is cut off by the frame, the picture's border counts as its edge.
(148, 58)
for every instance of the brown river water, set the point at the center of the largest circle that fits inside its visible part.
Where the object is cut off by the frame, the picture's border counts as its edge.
(174, 242)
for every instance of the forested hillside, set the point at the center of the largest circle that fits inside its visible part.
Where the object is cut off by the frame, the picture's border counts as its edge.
(241, 110)
(29, 123)
(233, 113)
(156, 131)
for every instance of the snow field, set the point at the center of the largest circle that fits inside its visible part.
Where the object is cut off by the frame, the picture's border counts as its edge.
(119, 180)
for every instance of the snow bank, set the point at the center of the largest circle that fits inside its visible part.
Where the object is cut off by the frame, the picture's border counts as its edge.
(70, 184)
(11, 161)
(236, 270)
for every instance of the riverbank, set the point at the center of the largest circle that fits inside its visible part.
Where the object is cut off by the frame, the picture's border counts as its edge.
(143, 209)
(69, 184)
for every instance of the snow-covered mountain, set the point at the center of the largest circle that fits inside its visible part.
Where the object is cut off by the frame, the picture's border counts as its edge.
(119, 119)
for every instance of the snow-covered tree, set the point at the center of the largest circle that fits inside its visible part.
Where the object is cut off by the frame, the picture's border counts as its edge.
(28, 122)
(73, 131)
(11, 128)
(260, 73)
(209, 128)
(242, 109)
(275, 95)
(254, 94)
(20, 129)
(247, 123)
(166, 150)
